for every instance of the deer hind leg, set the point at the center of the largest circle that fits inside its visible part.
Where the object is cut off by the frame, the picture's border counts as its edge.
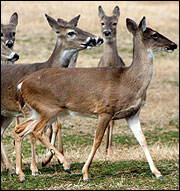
(134, 124)
(108, 147)
(21, 131)
(56, 128)
(103, 121)
(34, 168)
(39, 133)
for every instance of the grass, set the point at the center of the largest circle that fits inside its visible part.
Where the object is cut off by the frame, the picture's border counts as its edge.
(111, 173)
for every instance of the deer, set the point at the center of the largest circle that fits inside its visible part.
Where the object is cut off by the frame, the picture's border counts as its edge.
(70, 40)
(107, 93)
(7, 56)
(110, 55)
(8, 31)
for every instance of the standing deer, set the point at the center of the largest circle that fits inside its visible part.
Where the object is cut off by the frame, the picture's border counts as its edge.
(7, 56)
(70, 40)
(106, 93)
(8, 31)
(110, 55)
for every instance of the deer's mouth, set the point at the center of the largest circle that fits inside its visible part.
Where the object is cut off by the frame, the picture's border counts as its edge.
(91, 42)
(171, 48)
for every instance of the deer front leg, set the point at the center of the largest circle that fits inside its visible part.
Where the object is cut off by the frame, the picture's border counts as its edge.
(108, 148)
(6, 159)
(103, 121)
(34, 168)
(134, 124)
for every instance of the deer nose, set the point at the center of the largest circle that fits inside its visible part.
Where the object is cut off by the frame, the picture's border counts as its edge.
(9, 44)
(15, 57)
(92, 41)
(107, 33)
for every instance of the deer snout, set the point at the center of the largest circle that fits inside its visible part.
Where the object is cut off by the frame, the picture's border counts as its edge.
(9, 43)
(107, 33)
(172, 47)
(14, 58)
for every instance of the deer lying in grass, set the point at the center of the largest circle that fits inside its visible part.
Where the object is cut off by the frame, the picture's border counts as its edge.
(7, 56)
(106, 93)
(70, 40)
(110, 55)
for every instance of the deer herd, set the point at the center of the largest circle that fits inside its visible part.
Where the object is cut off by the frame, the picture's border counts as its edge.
(43, 93)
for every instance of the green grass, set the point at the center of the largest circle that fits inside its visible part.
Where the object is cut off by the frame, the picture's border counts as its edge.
(104, 174)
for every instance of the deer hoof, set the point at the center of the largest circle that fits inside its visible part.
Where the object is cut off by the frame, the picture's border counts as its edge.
(13, 174)
(87, 180)
(160, 177)
(68, 171)
(23, 181)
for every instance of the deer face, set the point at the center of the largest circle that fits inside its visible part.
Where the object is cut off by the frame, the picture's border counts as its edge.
(149, 38)
(72, 36)
(8, 31)
(109, 23)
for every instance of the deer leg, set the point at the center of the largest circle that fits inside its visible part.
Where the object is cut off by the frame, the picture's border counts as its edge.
(48, 158)
(3, 166)
(5, 122)
(17, 121)
(103, 121)
(20, 131)
(108, 148)
(134, 124)
(34, 168)
(39, 133)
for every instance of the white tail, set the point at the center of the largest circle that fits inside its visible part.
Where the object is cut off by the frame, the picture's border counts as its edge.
(70, 40)
(118, 94)
(110, 55)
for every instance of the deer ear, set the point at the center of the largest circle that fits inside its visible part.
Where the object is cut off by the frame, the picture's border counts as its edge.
(116, 11)
(100, 12)
(73, 22)
(142, 24)
(52, 22)
(131, 25)
(14, 19)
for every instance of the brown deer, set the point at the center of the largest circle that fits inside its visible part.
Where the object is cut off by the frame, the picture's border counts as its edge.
(70, 40)
(106, 93)
(8, 31)
(7, 56)
(110, 55)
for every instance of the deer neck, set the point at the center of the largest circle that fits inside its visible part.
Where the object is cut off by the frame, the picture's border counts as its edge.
(60, 56)
(141, 70)
(110, 56)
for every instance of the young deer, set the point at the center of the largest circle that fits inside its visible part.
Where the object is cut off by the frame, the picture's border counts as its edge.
(110, 55)
(7, 56)
(8, 31)
(70, 40)
(119, 93)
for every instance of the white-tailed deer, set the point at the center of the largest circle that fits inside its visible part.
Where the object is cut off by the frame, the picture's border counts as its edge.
(110, 55)
(7, 56)
(106, 93)
(8, 31)
(70, 40)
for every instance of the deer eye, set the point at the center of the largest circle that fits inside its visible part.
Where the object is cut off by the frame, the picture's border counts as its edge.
(155, 36)
(14, 33)
(57, 32)
(70, 33)
(102, 24)
(114, 24)
(1, 34)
